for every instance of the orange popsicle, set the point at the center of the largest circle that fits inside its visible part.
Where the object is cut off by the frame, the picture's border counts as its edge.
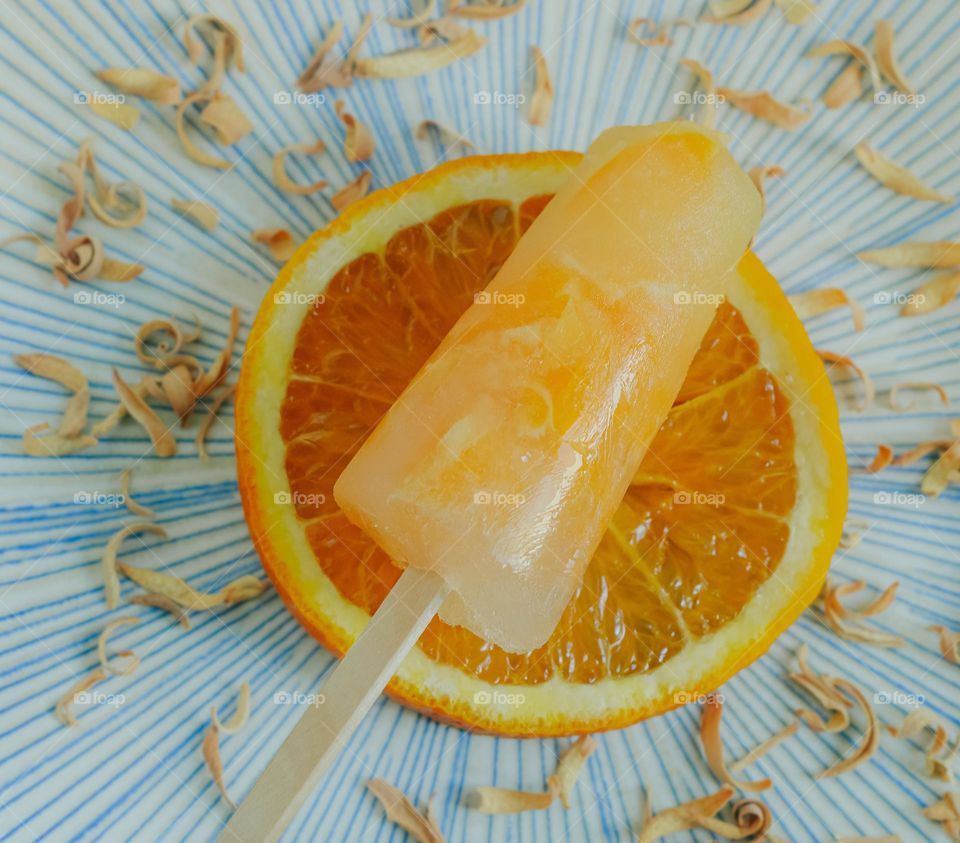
(500, 464)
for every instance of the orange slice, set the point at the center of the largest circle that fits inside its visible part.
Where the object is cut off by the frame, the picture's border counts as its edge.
(722, 540)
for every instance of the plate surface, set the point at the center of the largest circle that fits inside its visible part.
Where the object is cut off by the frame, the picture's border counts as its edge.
(132, 769)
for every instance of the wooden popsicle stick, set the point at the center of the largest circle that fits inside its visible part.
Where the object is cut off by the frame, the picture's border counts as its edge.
(348, 694)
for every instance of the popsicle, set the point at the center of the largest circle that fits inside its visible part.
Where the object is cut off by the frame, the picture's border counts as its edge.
(501, 463)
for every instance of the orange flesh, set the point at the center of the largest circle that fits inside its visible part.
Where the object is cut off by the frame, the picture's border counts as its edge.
(699, 531)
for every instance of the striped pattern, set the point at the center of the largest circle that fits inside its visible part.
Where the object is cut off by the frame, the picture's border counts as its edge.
(134, 771)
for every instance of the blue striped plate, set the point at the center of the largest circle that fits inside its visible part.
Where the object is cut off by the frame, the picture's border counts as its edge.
(133, 768)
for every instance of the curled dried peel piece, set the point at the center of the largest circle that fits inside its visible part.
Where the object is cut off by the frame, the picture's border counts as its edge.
(916, 385)
(164, 444)
(53, 368)
(882, 459)
(208, 420)
(171, 586)
(502, 800)
(158, 354)
(751, 13)
(821, 688)
(942, 472)
(946, 811)
(240, 715)
(936, 293)
(759, 175)
(849, 623)
(447, 137)
(62, 710)
(109, 564)
(660, 36)
(279, 242)
(689, 815)
(280, 177)
(913, 725)
(915, 255)
(159, 601)
(400, 811)
(247, 587)
(797, 11)
(106, 663)
(869, 391)
(53, 445)
(211, 755)
(710, 720)
(949, 643)
(839, 47)
(824, 299)
(222, 32)
(871, 736)
(202, 213)
(192, 150)
(143, 82)
(569, 767)
(352, 191)
(358, 145)
(214, 376)
(886, 57)
(484, 11)
(899, 179)
(847, 87)
(768, 745)
(764, 106)
(226, 118)
(541, 103)
(921, 450)
(418, 60)
(121, 114)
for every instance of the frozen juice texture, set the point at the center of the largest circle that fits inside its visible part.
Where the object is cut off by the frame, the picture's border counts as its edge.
(501, 463)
